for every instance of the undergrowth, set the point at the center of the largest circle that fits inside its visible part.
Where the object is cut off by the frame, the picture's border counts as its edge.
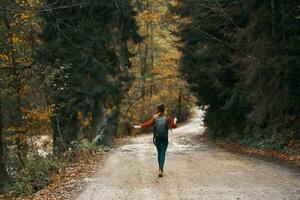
(38, 171)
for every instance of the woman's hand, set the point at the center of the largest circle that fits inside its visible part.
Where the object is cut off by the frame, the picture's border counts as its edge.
(137, 126)
(175, 120)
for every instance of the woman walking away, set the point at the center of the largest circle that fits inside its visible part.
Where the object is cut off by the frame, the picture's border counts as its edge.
(161, 122)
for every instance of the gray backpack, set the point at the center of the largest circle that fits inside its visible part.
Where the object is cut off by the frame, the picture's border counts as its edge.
(161, 126)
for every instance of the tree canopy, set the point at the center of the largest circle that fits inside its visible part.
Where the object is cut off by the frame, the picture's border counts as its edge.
(241, 59)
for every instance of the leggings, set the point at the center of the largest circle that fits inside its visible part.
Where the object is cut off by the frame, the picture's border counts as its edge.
(161, 146)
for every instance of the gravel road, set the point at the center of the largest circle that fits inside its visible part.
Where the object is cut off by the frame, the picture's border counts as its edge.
(193, 170)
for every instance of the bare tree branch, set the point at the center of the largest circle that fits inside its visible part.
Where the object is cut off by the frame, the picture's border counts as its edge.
(225, 43)
(227, 16)
(51, 7)
(18, 68)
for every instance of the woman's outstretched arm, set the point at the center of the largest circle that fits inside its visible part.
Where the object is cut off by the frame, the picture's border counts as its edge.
(171, 122)
(148, 123)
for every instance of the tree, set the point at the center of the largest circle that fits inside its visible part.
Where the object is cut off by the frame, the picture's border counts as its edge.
(155, 65)
(18, 39)
(2, 153)
(82, 40)
(237, 56)
(75, 73)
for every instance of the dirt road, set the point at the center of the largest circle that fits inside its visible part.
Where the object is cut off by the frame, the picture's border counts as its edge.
(193, 170)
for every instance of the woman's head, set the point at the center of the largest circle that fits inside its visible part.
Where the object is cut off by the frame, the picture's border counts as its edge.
(161, 108)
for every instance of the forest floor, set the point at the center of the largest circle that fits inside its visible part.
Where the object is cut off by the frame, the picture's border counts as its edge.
(194, 169)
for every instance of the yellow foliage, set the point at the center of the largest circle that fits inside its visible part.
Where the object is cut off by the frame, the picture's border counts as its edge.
(156, 65)
(79, 116)
(176, 3)
(86, 122)
(39, 114)
(186, 20)
(4, 57)
(16, 38)
(28, 2)
(26, 89)
(147, 16)
(26, 16)
(14, 129)
(18, 138)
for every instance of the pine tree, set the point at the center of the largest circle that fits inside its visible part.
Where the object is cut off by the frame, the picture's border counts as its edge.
(2, 153)
(240, 58)
(81, 52)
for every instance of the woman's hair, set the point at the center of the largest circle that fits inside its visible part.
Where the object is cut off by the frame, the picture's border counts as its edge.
(160, 108)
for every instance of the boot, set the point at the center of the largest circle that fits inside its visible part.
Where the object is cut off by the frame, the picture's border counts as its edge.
(160, 173)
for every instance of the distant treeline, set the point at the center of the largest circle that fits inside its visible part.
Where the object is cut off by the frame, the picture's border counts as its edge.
(242, 60)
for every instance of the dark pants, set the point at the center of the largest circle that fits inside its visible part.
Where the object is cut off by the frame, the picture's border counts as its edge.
(161, 146)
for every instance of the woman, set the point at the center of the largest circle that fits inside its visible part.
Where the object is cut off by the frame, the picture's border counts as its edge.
(161, 122)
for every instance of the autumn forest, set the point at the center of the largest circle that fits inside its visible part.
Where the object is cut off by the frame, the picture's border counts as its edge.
(77, 75)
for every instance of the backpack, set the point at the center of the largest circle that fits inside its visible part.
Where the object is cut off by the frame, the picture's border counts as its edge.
(161, 126)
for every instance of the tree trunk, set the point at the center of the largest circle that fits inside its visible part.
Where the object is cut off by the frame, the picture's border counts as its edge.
(273, 18)
(142, 72)
(282, 24)
(179, 104)
(124, 53)
(71, 131)
(146, 69)
(2, 152)
(152, 86)
(59, 145)
(276, 12)
(21, 147)
(97, 117)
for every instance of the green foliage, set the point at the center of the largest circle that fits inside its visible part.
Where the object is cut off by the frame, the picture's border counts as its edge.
(39, 171)
(241, 60)
(36, 176)
(86, 40)
(69, 56)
